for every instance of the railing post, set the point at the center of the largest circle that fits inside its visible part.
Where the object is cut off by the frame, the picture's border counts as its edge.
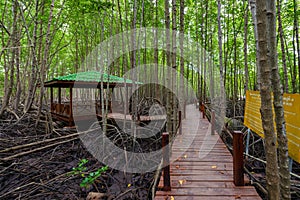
(202, 108)
(179, 121)
(212, 121)
(238, 159)
(71, 120)
(166, 162)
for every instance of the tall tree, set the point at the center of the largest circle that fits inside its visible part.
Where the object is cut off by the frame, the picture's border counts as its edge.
(246, 86)
(34, 62)
(281, 36)
(253, 9)
(174, 64)
(222, 90)
(168, 57)
(181, 29)
(9, 80)
(45, 61)
(296, 29)
(272, 174)
(278, 104)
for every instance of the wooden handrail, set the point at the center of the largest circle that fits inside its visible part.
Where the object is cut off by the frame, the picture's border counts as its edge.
(166, 162)
(238, 148)
(238, 158)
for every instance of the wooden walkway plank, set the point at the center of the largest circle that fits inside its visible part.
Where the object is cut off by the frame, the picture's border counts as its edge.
(206, 198)
(202, 166)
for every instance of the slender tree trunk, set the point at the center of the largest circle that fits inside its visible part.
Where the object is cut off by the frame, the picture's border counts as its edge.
(222, 89)
(278, 104)
(168, 58)
(235, 87)
(281, 36)
(174, 64)
(14, 42)
(266, 103)
(226, 45)
(45, 62)
(183, 87)
(33, 75)
(18, 78)
(297, 39)
(124, 56)
(253, 8)
(200, 49)
(133, 65)
(156, 76)
(294, 70)
(246, 86)
(205, 52)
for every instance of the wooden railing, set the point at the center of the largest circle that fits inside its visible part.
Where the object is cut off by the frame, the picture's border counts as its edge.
(238, 145)
(61, 109)
(166, 162)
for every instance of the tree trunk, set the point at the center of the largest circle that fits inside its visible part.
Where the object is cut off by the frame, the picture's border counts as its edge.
(18, 81)
(222, 103)
(253, 8)
(182, 86)
(157, 87)
(235, 87)
(281, 35)
(174, 65)
(246, 86)
(32, 83)
(14, 42)
(278, 104)
(297, 39)
(294, 70)
(266, 103)
(45, 63)
(168, 57)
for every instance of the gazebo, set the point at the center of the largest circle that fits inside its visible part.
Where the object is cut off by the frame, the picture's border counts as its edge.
(94, 82)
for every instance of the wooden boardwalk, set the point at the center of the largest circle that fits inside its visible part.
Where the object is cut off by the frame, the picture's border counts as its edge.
(203, 169)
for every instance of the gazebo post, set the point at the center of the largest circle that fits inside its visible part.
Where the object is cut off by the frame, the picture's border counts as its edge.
(51, 99)
(59, 95)
(98, 104)
(71, 107)
(59, 100)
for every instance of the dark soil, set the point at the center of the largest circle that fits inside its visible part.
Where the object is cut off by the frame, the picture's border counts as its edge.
(47, 173)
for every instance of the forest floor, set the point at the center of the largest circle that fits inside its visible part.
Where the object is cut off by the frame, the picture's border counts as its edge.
(46, 169)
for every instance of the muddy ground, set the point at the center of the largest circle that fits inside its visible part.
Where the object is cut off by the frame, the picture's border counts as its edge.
(46, 170)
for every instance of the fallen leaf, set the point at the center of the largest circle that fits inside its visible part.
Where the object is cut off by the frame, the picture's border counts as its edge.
(172, 198)
(185, 156)
(128, 185)
(181, 182)
(214, 167)
(237, 196)
(177, 166)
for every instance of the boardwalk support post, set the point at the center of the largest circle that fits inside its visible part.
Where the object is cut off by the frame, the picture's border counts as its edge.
(238, 159)
(166, 162)
(202, 109)
(179, 121)
(212, 121)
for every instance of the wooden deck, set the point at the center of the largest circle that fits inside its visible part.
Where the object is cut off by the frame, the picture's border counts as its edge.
(205, 169)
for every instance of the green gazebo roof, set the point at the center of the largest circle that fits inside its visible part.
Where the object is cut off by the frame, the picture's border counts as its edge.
(87, 78)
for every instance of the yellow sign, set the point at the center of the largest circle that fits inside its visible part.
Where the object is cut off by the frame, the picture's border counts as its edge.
(291, 105)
